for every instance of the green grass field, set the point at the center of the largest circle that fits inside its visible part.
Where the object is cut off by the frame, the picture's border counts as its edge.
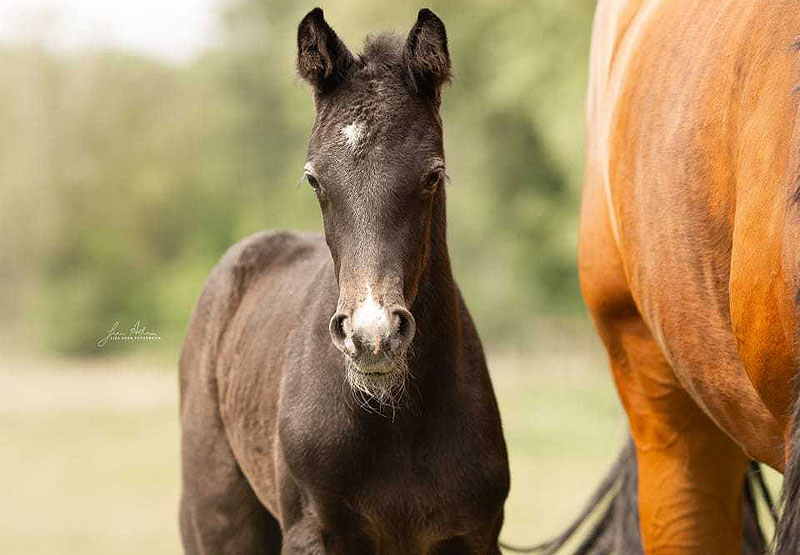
(89, 459)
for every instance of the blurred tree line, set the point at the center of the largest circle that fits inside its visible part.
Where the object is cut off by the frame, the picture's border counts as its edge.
(124, 179)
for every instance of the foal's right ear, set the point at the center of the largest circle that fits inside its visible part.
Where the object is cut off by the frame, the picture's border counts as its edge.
(322, 58)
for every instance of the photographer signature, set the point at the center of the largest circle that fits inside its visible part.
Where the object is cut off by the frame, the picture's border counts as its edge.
(137, 333)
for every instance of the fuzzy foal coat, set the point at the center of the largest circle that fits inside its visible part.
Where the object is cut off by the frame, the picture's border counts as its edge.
(274, 444)
(279, 452)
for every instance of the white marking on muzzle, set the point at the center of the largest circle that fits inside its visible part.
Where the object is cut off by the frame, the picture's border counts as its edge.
(371, 317)
(353, 132)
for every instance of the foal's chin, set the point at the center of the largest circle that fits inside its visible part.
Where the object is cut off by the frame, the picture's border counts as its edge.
(378, 385)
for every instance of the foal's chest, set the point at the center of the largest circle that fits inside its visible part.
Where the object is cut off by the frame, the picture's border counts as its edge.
(401, 490)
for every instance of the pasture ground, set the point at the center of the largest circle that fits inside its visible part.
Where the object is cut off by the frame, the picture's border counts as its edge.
(89, 449)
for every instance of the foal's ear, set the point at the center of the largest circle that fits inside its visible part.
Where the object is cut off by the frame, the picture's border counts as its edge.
(322, 58)
(426, 56)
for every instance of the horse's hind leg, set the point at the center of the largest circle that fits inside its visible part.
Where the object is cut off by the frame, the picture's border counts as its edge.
(219, 513)
(690, 472)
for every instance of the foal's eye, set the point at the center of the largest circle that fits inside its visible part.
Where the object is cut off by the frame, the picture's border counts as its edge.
(313, 182)
(432, 180)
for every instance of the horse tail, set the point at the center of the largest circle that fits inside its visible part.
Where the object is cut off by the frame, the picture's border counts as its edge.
(616, 529)
(787, 535)
(620, 485)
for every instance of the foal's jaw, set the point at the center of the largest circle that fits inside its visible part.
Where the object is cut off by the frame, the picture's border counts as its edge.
(384, 383)
(375, 340)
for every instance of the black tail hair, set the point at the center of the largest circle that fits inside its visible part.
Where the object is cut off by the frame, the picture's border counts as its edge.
(787, 535)
(616, 531)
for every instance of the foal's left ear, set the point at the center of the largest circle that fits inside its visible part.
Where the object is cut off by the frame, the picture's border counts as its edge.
(322, 58)
(426, 56)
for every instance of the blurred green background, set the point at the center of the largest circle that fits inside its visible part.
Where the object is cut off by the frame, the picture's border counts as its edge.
(126, 176)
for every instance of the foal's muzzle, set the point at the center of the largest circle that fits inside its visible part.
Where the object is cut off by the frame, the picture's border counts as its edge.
(373, 333)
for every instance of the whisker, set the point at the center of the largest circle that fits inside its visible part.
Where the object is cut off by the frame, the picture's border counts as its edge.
(379, 395)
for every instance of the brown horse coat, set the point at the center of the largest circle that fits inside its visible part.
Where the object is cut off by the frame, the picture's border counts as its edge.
(334, 393)
(690, 248)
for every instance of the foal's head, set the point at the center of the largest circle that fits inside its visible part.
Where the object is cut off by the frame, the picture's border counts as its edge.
(376, 164)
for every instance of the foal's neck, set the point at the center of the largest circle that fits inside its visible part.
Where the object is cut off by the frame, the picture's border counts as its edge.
(436, 305)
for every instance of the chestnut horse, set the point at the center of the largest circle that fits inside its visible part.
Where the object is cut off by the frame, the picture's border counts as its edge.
(690, 254)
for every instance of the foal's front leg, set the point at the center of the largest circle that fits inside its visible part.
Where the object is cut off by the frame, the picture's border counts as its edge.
(302, 538)
(219, 512)
(309, 529)
(308, 538)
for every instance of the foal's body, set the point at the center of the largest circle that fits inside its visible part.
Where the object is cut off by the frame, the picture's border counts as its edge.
(690, 248)
(269, 422)
(281, 452)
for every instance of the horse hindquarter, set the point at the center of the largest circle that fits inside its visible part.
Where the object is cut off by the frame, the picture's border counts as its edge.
(694, 508)
(663, 211)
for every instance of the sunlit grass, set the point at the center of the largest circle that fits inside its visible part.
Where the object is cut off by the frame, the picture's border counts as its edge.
(563, 427)
(89, 481)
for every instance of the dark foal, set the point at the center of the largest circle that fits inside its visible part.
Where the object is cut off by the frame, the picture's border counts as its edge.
(335, 397)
